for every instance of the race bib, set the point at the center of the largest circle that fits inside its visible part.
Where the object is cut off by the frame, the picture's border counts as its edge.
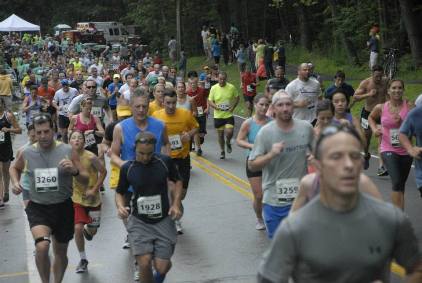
(2, 136)
(364, 123)
(89, 139)
(200, 110)
(207, 85)
(394, 137)
(64, 108)
(249, 88)
(175, 142)
(150, 206)
(95, 218)
(46, 180)
(224, 106)
(287, 189)
(97, 112)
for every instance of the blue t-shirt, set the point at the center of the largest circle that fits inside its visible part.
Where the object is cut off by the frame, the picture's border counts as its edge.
(412, 127)
(345, 87)
(216, 50)
(112, 101)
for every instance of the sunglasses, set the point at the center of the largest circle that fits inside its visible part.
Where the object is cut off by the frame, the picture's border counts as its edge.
(332, 130)
(91, 86)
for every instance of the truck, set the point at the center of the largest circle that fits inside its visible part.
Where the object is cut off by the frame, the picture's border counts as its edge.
(114, 32)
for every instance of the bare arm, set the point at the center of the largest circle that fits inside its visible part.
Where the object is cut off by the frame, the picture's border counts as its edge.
(414, 151)
(367, 186)
(166, 149)
(235, 104)
(261, 161)
(16, 129)
(100, 129)
(241, 136)
(373, 117)
(25, 105)
(72, 124)
(15, 172)
(115, 146)
(362, 92)
(95, 162)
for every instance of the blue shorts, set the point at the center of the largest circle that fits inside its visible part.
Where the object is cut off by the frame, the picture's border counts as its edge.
(273, 215)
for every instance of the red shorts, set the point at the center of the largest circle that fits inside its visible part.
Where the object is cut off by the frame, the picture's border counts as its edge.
(82, 213)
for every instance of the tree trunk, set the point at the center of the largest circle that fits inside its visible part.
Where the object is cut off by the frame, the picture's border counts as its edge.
(414, 34)
(305, 35)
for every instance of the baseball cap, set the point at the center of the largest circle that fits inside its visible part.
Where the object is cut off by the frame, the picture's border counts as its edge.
(64, 82)
(116, 76)
(123, 111)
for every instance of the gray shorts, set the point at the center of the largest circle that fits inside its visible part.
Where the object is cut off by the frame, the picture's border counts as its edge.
(7, 101)
(158, 239)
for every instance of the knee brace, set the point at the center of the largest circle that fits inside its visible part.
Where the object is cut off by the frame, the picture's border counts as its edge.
(41, 239)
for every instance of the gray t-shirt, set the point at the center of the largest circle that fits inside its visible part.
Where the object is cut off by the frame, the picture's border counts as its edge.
(280, 177)
(301, 90)
(63, 99)
(317, 244)
(99, 104)
(48, 183)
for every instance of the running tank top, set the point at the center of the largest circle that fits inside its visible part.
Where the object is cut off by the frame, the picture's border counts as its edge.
(186, 105)
(129, 132)
(390, 129)
(254, 128)
(82, 127)
(33, 110)
(4, 123)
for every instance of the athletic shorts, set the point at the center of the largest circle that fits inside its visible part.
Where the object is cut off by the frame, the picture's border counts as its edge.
(7, 101)
(252, 174)
(114, 177)
(364, 119)
(248, 98)
(63, 122)
(398, 167)
(220, 124)
(273, 215)
(58, 217)
(158, 239)
(183, 165)
(82, 214)
(112, 107)
(202, 121)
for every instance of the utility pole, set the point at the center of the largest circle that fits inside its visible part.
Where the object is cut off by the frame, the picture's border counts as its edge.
(179, 33)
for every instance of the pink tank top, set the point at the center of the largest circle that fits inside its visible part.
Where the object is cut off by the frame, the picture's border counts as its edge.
(390, 129)
(85, 127)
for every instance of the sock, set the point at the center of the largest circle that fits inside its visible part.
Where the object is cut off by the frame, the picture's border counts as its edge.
(83, 255)
(159, 278)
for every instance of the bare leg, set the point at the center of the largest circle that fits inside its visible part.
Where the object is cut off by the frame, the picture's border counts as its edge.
(397, 198)
(145, 268)
(60, 260)
(256, 184)
(79, 237)
(42, 260)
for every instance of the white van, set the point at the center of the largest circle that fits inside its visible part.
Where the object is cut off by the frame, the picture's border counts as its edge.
(113, 31)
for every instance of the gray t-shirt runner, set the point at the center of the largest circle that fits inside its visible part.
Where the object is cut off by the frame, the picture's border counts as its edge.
(49, 184)
(99, 104)
(317, 244)
(280, 178)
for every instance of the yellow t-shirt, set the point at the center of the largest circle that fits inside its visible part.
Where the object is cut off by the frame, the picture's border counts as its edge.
(153, 106)
(77, 66)
(224, 98)
(178, 123)
(80, 189)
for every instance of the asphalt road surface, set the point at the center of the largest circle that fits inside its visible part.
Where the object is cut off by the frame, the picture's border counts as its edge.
(219, 244)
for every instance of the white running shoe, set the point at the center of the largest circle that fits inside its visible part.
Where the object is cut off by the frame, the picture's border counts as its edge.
(260, 225)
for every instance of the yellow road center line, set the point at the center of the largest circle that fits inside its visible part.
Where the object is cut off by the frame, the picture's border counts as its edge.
(223, 180)
(15, 274)
(222, 171)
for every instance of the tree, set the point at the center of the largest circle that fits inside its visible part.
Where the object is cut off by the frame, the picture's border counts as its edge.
(414, 33)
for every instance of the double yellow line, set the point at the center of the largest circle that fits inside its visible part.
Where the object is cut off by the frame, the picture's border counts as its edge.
(243, 187)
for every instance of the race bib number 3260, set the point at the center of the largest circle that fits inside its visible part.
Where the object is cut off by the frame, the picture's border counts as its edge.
(46, 180)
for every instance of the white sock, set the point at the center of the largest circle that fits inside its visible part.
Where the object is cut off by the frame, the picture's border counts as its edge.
(83, 255)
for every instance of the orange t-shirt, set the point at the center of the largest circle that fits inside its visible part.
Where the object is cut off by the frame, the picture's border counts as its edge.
(47, 93)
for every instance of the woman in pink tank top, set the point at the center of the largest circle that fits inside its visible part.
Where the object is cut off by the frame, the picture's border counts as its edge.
(398, 162)
(89, 125)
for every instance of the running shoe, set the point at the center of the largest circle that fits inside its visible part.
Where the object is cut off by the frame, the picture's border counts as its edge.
(199, 152)
(6, 197)
(179, 227)
(82, 266)
(382, 171)
(136, 273)
(87, 235)
(229, 147)
(126, 245)
(366, 161)
(222, 155)
(260, 224)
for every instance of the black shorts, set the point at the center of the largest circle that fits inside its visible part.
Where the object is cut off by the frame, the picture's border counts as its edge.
(251, 174)
(398, 167)
(63, 122)
(58, 217)
(364, 114)
(218, 123)
(248, 98)
(112, 107)
(202, 121)
(51, 110)
(183, 165)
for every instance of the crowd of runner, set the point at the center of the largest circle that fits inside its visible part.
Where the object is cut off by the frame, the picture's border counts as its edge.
(82, 110)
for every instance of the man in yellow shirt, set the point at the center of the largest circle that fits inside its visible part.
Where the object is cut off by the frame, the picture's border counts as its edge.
(181, 127)
(157, 104)
(224, 99)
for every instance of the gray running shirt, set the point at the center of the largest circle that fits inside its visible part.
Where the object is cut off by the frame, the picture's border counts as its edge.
(49, 184)
(317, 244)
(98, 105)
(280, 177)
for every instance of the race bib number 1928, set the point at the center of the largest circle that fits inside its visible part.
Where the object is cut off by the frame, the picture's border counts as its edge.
(150, 206)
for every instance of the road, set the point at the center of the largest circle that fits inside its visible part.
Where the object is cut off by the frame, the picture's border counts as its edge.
(219, 244)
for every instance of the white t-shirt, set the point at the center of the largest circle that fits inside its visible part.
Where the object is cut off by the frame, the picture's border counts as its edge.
(63, 99)
(301, 90)
(204, 35)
